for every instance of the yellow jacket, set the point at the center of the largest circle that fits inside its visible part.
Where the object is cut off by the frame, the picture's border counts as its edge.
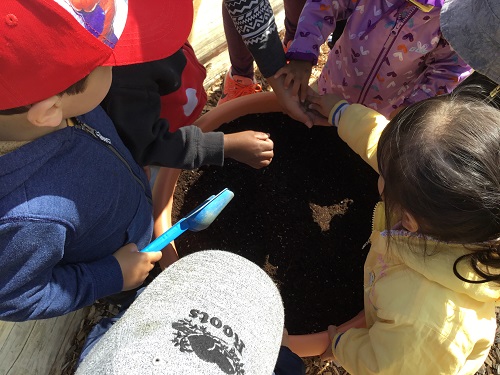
(421, 318)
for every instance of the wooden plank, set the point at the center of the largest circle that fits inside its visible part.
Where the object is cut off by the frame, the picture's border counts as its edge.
(208, 38)
(39, 346)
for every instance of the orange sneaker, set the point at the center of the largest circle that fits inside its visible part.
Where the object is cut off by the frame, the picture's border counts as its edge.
(236, 86)
(287, 45)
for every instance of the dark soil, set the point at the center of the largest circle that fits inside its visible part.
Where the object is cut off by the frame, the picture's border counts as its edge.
(304, 219)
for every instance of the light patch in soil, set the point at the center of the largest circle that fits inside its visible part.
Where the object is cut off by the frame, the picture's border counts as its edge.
(322, 215)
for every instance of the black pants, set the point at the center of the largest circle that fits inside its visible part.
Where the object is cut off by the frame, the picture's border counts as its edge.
(289, 363)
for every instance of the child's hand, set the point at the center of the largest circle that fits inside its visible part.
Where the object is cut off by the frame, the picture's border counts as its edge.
(323, 103)
(290, 104)
(328, 354)
(135, 265)
(297, 72)
(316, 117)
(249, 147)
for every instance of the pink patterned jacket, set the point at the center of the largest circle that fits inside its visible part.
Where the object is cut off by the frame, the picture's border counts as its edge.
(390, 53)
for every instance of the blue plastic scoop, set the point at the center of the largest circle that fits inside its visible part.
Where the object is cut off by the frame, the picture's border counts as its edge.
(198, 219)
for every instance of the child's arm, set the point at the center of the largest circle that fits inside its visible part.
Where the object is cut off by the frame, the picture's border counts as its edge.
(444, 71)
(265, 46)
(261, 38)
(252, 148)
(35, 282)
(359, 126)
(134, 103)
(317, 21)
(392, 348)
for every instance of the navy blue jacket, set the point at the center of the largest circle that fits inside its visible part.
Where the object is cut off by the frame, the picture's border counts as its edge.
(68, 201)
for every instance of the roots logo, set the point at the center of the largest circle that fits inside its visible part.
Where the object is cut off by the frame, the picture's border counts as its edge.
(211, 341)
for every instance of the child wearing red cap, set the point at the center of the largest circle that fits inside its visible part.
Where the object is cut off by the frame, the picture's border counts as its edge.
(74, 205)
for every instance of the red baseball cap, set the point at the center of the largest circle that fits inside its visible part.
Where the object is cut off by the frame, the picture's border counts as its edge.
(48, 45)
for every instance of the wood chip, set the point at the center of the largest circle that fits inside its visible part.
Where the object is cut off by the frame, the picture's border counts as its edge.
(489, 360)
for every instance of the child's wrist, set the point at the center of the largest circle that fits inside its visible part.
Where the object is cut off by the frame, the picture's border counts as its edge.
(336, 340)
(334, 344)
(336, 112)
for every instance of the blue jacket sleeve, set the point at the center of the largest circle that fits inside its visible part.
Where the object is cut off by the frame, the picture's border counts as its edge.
(38, 283)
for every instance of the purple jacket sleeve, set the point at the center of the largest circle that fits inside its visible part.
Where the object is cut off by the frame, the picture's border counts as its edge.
(38, 284)
(317, 21)
(444, 71)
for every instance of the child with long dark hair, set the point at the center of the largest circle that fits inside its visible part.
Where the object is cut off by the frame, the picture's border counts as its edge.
(432, 275)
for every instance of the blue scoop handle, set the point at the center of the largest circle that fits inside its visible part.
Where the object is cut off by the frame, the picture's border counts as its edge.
(171, 234)
(198, 219)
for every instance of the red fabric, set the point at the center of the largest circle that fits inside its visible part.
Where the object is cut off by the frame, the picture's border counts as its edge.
(185, 105)
(36, 61)
(155, 29)
(44, 49)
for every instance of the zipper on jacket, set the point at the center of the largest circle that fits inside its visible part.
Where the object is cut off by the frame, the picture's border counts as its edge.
(373, 226)
(400, 22)
(423, 7)
(96, 134)
(368, 241)
(107, 142)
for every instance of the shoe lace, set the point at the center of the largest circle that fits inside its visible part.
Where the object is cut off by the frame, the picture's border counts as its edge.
(242, 90)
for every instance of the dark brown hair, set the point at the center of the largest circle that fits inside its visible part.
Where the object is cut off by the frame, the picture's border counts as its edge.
(76, 88)
(440, 159)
